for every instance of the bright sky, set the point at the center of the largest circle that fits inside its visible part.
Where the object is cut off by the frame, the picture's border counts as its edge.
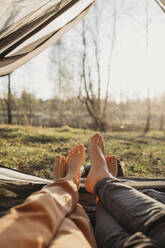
(134, 69)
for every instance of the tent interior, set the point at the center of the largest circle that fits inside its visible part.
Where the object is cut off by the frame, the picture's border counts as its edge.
(26, 29)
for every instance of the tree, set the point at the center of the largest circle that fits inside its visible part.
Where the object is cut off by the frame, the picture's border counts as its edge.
(162, 113)
(12, 11)
(28, 104)
(61, 75)
(148, 120)
(147, 23)
(9, 101)
(3, 109)
(91, 97)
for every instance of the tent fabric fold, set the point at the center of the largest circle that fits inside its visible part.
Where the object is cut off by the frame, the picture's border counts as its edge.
(162, 4)
(28, 27)
(26, 31)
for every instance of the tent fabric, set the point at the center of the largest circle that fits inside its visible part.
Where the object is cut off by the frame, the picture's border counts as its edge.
(28, 27)
(162, 4)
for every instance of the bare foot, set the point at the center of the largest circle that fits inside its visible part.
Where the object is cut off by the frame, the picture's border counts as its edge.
(112, 164)
(75, 160)
(101, 142)
(110, 159)
(99, 169)
(59, 169)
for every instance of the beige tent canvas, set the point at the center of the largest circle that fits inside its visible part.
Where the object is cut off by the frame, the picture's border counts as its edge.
(161, 3)
(28, 27)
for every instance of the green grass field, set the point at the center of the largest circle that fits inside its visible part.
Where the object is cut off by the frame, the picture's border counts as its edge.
(32, 149)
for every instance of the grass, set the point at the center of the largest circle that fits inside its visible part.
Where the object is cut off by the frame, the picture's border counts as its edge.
(32, 149)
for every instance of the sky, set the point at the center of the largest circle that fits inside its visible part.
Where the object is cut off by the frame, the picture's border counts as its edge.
(135, 68)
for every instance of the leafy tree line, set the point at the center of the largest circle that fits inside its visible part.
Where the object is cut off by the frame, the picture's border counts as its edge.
(130, 115)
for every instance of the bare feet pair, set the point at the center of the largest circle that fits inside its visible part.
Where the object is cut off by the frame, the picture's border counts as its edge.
(102, 166)
(70, 166)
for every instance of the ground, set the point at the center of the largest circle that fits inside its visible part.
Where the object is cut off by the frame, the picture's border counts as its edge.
(32, 149)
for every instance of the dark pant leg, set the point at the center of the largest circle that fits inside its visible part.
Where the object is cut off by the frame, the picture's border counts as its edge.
(108, 232)
(135, 211)
(158, 196)
(139, 240)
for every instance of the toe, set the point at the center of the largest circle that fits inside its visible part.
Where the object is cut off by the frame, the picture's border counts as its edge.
(82, 148)
(57, 160)
(107, 158)
(112, 164)
(63, 160)
(95, 139)
(101, 143)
